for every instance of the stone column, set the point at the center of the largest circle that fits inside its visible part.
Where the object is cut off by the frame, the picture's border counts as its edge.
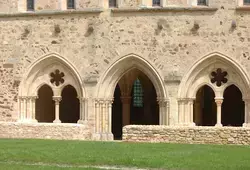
(83, 105)
(163, 111)
(218, 102)
(97, 111)
(186, 112)
(57, 100)
(181, 108)
(110, 135)
(126, 101)
(30, 109)
(33, 110)
(21, 108)
(191, 112)
(247, 113)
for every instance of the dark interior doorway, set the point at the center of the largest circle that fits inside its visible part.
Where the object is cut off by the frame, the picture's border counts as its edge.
(117, 114)
(233, 107)
(69, 105)
(205, 107)
(45, 106)
(144, 109)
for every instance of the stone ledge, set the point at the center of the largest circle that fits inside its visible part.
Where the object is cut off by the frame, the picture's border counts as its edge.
(242, 8)
(164, 9)
(45, 13)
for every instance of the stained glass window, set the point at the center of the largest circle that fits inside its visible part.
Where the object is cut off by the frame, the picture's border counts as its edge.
(30, 5)
(137, 94)
(70, 4)
(156, 2)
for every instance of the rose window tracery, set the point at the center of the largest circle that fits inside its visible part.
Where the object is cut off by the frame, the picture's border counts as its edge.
(219, 77)
(57, 77)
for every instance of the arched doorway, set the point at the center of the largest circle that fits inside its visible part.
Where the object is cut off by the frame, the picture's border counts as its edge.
(116, 75)
(69, 106)
(205, 107)
(135, 102)
(233, 107)
(45, 106)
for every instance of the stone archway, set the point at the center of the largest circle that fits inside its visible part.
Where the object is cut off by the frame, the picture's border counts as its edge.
(208, 71)
(56, 72)
(109, 81)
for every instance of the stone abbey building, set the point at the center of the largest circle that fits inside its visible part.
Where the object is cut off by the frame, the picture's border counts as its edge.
(104, 70)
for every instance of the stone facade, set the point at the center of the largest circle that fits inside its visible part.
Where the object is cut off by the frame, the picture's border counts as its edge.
(176, 45)
(191, 135)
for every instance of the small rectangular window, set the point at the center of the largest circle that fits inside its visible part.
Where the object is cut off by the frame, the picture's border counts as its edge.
(70, 4)
(246, 2)
(30, 5)
(156, 2)
(112, 3)
(202, 2)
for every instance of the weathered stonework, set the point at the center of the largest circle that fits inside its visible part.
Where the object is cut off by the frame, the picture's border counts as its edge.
(191, 135)
(176, 46)
(45, 131)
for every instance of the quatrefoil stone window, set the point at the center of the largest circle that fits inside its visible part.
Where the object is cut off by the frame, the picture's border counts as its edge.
(57, 77)
(219, 77)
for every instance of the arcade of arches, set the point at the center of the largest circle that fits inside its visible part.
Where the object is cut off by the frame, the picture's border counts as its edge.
(232, 108)
(47, 106)
(134, 102)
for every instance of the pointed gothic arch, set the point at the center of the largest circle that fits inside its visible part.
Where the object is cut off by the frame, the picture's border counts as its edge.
(119, 68)
(53, 70)
(106, 88)
(201, 74)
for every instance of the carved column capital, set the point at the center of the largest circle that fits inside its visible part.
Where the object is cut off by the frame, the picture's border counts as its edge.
(57, 99)
(218, 101)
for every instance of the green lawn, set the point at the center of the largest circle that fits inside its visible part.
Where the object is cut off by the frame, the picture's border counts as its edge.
(25, 153)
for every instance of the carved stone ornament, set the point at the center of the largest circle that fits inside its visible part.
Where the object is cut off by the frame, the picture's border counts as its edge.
(219, 77)
(57, 77)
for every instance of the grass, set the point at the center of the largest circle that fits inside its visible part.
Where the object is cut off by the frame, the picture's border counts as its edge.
(143, 155)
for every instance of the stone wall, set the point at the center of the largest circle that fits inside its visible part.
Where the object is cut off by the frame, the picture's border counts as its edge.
(45, 131)
(191, 135)
(170, 41)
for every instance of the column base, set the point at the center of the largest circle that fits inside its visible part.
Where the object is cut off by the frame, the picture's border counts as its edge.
(96, 136)
(246, 125)
(82, 121)
(192, 124)
(185, 124)
(57, 121)
(218, 125)
(107, 136)
(27, 121)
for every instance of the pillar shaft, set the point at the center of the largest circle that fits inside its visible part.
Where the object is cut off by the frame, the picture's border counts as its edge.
(126, 101)
(247, 113)
(218, 103)
(57, 100)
